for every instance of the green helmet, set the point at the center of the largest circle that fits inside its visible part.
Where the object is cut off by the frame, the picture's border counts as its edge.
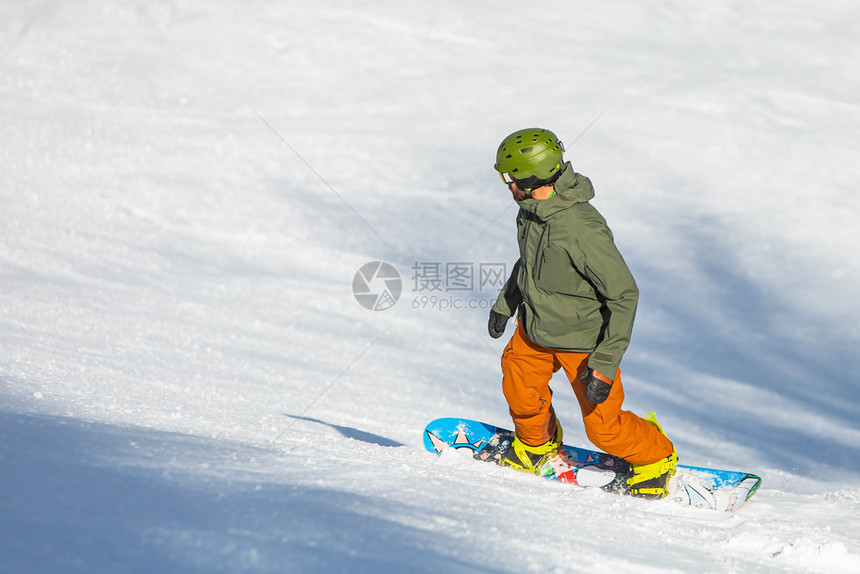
(531, 154)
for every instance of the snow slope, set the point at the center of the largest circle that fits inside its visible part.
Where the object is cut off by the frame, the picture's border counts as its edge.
(188, 188)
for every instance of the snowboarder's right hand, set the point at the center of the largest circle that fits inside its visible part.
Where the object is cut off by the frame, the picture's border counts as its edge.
(597, 386)
(497, 324)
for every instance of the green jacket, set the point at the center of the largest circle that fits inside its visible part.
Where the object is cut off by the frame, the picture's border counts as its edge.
(575, 288)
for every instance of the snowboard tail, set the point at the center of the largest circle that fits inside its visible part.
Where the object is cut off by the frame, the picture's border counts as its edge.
(721, 490)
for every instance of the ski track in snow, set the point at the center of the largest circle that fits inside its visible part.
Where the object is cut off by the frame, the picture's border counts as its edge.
(188, 384)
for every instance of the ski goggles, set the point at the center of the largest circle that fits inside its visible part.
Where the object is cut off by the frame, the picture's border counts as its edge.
(506, 178)
(509, 181)
(526, 185)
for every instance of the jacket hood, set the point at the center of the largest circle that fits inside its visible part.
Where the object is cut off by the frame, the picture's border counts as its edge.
(570, 188)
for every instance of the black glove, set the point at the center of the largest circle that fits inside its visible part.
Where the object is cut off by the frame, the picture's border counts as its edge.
(596, 386)
(497, 324)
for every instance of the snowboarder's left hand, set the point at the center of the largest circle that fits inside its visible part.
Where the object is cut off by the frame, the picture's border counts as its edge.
(597, 386)
(496, 325)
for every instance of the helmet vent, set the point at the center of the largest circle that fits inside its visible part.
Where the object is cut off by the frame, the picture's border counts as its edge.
(526, 149)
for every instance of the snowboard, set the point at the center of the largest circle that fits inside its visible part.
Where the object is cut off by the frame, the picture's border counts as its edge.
(720, 490)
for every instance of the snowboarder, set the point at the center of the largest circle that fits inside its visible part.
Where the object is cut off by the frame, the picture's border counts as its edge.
(575, 300)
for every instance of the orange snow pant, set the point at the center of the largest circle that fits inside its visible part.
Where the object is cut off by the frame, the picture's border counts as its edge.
(527, 369)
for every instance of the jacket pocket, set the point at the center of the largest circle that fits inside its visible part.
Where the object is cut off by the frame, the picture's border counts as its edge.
(558, 275)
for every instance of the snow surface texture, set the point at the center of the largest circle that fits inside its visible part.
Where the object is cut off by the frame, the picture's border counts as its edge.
(189, 385)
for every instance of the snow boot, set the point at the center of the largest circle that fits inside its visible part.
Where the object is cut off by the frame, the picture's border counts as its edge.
(652, 480)
(547, 459)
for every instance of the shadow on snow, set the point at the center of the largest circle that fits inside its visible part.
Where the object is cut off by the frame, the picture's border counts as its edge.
(350, 432)
(83, 497)
(742, 334)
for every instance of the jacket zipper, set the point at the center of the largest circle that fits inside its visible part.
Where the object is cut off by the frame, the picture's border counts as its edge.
(537, 263)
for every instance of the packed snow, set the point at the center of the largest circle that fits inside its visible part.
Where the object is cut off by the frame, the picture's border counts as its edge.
(188, 189)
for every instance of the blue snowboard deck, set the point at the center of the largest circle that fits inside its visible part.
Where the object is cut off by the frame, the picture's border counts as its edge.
(723, 490)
